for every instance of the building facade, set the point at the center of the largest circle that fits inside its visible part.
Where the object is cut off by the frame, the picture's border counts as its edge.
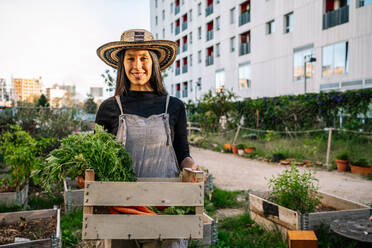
(27, 89)
(261, 48)
(61, 95)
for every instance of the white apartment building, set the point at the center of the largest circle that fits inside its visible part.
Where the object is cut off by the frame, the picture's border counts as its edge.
(260, 48)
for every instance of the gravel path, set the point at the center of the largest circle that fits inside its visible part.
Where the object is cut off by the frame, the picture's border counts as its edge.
(232, 172)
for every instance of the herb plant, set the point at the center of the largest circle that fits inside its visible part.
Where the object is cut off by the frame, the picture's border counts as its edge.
(342, 156)
(294, 190)
(361, 162)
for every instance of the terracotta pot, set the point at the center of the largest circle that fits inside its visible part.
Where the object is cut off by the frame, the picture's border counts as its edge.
(80, 181)
(227, 147)
(361, 170)
(342, 165)
(249, 149)
(234, 149)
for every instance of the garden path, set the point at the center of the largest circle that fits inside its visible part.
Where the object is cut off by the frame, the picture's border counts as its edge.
(231, 172)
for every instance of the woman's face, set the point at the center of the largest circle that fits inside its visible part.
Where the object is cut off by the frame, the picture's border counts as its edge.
(138, 68)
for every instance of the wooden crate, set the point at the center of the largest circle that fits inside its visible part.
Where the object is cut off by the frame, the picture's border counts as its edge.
(302, 239)
(54, 242)
(144, 192)
(73, 197)
(13, 198)
(272, 216)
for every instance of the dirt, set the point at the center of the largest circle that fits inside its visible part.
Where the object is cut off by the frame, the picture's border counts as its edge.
(231, 172)
(33, 230)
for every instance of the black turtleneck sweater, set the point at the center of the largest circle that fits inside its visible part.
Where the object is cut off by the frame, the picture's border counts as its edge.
(144, 103)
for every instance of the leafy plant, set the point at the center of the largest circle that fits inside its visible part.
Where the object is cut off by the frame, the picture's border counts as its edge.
(78, 152)
(277, 156)
(361, 162)
(343, 156)
(294, 190)
(240, 146)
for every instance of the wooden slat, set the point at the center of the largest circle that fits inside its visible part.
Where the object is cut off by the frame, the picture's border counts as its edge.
(40, 243)
(28, 215)
(89, 177)
(284, 217)
(100, 226)
(143, 194)
(158, 179)
(8, 198)
(269, 225)
(339, 203)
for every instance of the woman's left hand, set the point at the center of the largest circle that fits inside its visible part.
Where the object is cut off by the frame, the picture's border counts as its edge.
(190, 163)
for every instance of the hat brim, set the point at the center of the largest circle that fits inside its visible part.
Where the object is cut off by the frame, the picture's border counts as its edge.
(165, 50)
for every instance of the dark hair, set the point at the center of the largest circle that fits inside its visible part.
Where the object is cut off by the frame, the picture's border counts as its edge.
(156, 80)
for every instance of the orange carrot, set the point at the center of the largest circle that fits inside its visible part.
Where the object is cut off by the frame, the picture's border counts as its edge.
(113, 211)
(130, 210)
(144, 209)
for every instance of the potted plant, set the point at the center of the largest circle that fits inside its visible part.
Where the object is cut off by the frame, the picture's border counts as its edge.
(361, 166)
(342, 161)
(234, 149)
(240, 149)
(249, 149)
(227, 147)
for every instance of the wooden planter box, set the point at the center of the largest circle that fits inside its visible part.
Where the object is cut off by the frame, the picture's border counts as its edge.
(13, 198)
(73, 197)
(144, 192)
(54, 242)
(271, 216)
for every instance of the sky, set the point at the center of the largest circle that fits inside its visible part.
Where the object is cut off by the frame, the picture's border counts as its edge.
(58, 39)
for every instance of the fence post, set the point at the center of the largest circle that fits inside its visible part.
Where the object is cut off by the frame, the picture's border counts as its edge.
(329, 145)
(189, 126)
(236, 135)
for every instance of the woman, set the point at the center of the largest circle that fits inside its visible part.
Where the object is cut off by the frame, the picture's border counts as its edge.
(150, 124)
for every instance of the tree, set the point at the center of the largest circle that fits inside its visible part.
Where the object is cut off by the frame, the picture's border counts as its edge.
(90, 106)
(43, 101)
(110, 80)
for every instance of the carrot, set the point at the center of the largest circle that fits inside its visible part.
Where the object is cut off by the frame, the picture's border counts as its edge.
(161, 207)
(130, 210)
(144, 209)
(113, 211)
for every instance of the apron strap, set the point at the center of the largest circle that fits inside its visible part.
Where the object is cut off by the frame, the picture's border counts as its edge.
(166, 104)
(119, 103)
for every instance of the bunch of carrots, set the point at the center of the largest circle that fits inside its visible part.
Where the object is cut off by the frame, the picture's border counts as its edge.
(140, 210)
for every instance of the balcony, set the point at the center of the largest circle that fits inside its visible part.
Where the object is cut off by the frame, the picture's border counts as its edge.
(184, 47)
(184, 68)
(209, 10)
(336, 17)
(244, 18)
(178, 71)
(177, 31)
(178, 94)
(184, 26)
(184, 93)
(177, 9)
(209, 60)
(245, 48)
(209, 35)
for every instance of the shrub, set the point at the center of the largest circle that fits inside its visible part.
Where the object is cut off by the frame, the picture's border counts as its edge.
(277, 156)
(343, 156)
(294, 190)
(361, 162)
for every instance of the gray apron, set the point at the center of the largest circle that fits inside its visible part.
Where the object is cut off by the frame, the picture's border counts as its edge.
(149, 142)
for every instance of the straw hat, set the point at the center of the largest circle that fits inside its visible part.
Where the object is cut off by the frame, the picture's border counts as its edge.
(138, 39)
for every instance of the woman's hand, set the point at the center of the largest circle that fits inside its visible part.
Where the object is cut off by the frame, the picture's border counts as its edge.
(188, 162)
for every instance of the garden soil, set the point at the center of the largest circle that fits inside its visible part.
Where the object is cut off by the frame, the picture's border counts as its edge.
(231, 172)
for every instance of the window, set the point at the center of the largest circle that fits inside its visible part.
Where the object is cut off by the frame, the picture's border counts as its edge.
(199, 57)
(245, 76)
(156, 20)
(288, 23)
(270, 27)
(232, 44)
(183, 2)
(156, 3)
(218, 49)
(190, 60)
(298, 63)
(171, 8)
(184, 89)
(163, 14)
(335, 59)
(172, 89)
(199, 83)
(157, 36)
(217, 1)
(190, 37)
(190, 15)
(199, 33)
(364, 2)
(163, 33)
(190, 84)
(232, 16)
(220, 80)
(218, 22)
(199, 9)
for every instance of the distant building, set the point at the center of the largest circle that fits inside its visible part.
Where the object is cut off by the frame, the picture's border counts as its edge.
(5, 100)
(27, 89)
(61, 95)
(259, 48)
(97, 94)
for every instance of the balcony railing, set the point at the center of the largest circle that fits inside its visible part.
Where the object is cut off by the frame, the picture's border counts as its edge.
(184, 93)
(184, 68)
(178, 93)
(178, 71)
(209, 10)
(209, 60)
(244, 18)
(177, 9)
(209, 35)
(177, 31)
(184, 26)
(245, 48)
(336, 17)
(184, 47)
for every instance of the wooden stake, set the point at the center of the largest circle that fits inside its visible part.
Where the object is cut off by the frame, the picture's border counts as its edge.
(189, 126)
(236, 135)
(89, 177)
(329, 145)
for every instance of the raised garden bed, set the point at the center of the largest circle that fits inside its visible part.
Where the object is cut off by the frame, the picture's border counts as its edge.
(144, 192)
(40, 228)
(271, 216)
(14, 198)
(73, 195)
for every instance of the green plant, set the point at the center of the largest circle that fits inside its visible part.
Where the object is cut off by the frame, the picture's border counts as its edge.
(240, 146)
(343, 156)
(78, 152)
(71, 225)
(362, 162)
(294, 190)
(277, 156)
